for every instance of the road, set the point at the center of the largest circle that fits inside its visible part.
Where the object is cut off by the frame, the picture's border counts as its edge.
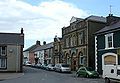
(32, 75)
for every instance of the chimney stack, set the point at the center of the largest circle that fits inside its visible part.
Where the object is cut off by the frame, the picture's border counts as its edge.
(112, 19)
(21, 30)
(44, 42)
(37, 42)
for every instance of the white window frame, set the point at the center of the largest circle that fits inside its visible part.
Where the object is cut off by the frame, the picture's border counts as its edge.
(3, 54)
(2, 63)
(1, 51)
(106, 41)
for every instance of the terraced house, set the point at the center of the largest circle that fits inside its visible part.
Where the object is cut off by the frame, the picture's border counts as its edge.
(29, 54)
(44, 54)
(78, 46)
(107, 43)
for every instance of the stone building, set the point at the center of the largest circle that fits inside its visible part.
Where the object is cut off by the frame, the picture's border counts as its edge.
(57, 50)
(78, 47)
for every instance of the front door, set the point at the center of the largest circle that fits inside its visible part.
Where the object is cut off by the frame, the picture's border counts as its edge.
(74, 65)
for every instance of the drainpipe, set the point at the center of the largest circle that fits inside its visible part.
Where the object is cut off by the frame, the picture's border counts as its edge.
(17, 59)
(87, 57)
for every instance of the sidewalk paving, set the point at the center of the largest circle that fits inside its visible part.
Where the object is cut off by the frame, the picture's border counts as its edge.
(4, 76)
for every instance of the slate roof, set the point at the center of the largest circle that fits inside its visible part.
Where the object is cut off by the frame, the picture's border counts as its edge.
(11, 39)
(43, 47)
(109, 28)
(96, 18)
(92, 18)
(31, 48)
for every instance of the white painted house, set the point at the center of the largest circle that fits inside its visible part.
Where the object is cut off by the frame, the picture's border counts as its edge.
(44, 53)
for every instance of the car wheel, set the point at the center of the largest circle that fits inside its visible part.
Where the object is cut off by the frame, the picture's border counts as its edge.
(77, 75)
(48, 69)
(60, 71)
(87, 75)
(107, 80)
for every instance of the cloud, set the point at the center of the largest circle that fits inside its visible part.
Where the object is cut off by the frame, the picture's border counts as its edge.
(40, 22)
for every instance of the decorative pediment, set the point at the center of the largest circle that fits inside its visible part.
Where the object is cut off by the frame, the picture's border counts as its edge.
(73, 19)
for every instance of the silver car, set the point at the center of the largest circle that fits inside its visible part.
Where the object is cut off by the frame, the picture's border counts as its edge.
(50, 67)
(62, 68)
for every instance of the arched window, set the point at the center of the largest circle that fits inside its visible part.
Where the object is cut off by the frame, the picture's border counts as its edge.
(68, 58)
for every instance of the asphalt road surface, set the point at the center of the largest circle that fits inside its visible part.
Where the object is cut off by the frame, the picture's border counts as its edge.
(32, 75)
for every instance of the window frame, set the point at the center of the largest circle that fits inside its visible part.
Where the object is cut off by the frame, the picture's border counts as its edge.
(3, 57)
(81, 59)
(81, 38)
(5, 63)
(3, 52)
(107, 41)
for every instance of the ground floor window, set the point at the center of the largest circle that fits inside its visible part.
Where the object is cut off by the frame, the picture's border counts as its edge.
(81, 58)
(109, 60)
(2, 63)
(68, 61)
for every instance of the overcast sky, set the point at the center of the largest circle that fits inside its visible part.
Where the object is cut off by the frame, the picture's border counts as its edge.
(43, 19)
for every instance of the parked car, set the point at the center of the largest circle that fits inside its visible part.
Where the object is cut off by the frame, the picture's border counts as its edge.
(87, 72)
(50, 67)
(62, 68)
(33, 65)
(44, 66)
(37, 65)
(27, 63)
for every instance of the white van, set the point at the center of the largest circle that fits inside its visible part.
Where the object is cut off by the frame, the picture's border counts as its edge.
(111, 73)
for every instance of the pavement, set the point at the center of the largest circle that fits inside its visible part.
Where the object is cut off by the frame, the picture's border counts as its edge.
(4, 76)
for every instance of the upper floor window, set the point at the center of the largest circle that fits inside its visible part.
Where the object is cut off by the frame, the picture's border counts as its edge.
(67, 42)
(109, 40)
(74, 41)
(3, 53)
(81, 38)
(71, 43)
(56, 47)
(3, 50)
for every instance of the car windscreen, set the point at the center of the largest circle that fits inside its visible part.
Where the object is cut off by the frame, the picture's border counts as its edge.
(65, 65)
(89, 69)
(52, 65)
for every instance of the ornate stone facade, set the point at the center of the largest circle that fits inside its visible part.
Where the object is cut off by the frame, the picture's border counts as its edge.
(57, 50)
(78, 47)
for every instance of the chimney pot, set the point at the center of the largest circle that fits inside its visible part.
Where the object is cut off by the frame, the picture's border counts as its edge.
(44, 42)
